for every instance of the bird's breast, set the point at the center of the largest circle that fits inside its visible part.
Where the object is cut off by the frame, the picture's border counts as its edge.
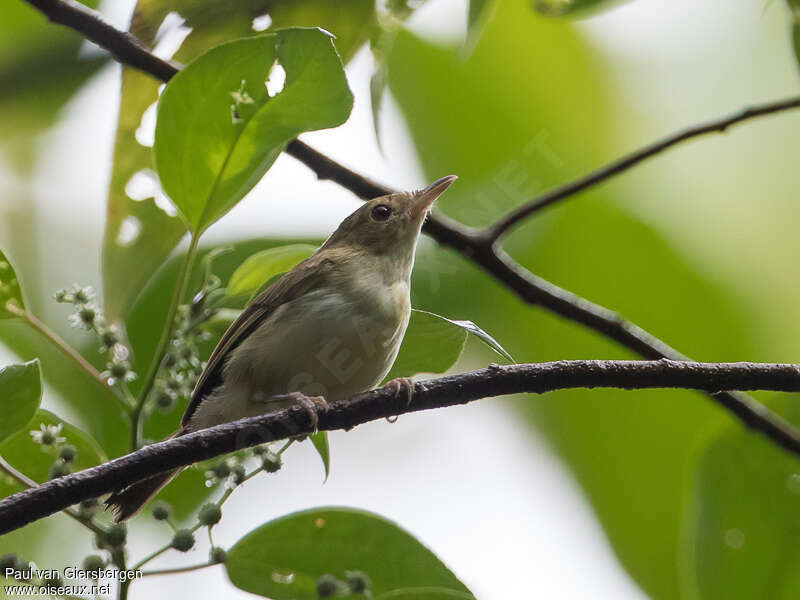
(334, 341)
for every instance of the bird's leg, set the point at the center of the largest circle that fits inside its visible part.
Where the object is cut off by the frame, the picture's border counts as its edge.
(402, 384)
(310, 403)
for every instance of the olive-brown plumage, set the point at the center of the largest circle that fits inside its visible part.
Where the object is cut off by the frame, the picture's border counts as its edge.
(330, 327)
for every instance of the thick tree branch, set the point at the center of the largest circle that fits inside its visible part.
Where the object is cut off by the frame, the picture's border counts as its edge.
(503, 225)
(43, 500)
(479, 247)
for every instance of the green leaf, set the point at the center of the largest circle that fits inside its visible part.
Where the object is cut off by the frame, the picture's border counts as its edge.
(35, 460)
(10, 290)
(560, 8)
(743, 523)
(139, 234)
(262, 266)
(474, 330)
(20, 394)
(432, 344)
(218, 130)
(284, 558)
(320, 441)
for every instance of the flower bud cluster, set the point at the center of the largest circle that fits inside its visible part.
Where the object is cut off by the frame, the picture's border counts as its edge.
(89, 316)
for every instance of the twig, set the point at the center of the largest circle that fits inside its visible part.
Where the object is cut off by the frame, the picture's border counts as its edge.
(178, 569)
(123, 46)
(151, 556)
(35, 503)
(503, 225)
(33, 321)
(178, 293)
(477, 246)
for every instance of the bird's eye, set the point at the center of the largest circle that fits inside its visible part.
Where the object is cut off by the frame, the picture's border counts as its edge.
(381, 212)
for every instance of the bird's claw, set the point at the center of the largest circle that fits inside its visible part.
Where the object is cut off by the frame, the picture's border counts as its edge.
(311, 404)
(401, 384)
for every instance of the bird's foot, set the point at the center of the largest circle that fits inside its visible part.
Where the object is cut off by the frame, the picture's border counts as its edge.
(402, 385)
(311, 404)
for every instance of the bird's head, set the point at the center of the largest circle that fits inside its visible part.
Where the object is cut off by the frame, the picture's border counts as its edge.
(389, 225)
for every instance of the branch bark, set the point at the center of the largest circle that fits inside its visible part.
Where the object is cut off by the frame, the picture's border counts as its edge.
(38, 502)
(516, 216)
(480, 246)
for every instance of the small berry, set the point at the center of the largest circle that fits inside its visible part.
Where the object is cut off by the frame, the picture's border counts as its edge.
(109, 338)
(165, 402)
(118, 369)
(82, 295)
(7, 561)
(210, 514)
(54, 582)
(59, 469)
(116, 535)
(24, 566)
(62, 296)
(169, 360)
(87, 315)
(161, 511)
(358, 582)
(183, 540)
(221, 470)
(218, 555)
(68, 453)
(328, 586)
(238, 473)
(94, 562)
(271, 462)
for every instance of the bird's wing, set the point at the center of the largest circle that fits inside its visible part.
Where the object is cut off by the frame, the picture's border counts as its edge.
(301, 279)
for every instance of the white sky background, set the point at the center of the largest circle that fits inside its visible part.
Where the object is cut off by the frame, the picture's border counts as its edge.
(471, 483)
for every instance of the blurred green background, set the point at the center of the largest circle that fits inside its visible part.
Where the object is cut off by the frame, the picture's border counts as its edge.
(698, 246)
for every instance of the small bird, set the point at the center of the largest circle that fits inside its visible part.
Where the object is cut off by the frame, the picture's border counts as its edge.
(330, 328)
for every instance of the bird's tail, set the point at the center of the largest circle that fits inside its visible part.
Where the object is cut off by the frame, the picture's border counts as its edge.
(129, 500)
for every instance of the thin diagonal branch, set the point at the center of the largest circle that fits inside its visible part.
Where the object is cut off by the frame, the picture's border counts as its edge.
(123, 46)
(503, 225)
(35, 503)
(476, 246)
(77, 359)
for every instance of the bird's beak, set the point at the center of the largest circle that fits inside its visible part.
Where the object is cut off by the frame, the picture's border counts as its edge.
(423, 199)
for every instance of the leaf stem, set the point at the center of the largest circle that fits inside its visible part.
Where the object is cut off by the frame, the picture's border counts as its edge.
(166, 334)
(177, 569)
(33, 321)
(151, 556)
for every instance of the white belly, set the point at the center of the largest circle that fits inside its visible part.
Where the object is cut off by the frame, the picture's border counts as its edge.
(324, 343)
